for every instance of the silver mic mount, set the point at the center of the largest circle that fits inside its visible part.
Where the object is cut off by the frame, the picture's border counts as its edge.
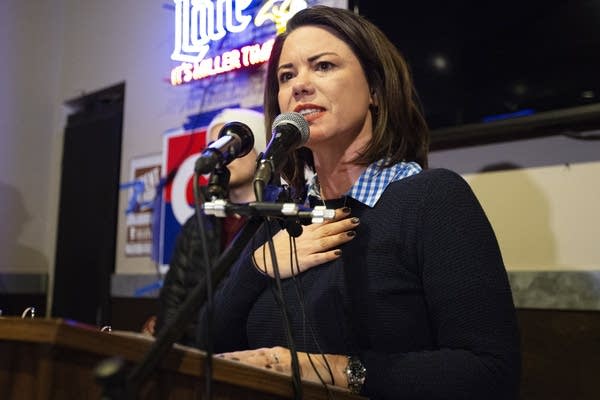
(222, 208)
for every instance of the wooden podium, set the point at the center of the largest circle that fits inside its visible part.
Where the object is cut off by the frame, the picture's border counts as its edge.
(56, 359)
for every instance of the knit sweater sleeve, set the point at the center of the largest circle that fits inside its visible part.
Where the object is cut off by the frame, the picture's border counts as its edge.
(469, 302)
(232, 302)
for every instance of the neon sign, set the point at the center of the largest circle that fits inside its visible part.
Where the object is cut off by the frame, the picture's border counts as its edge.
(228, 61)
(245, 28)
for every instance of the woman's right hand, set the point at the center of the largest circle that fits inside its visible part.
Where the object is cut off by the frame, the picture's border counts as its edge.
(318, 244)
(313, 367)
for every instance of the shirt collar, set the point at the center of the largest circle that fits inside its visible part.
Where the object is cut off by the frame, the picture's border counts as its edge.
(372, 182)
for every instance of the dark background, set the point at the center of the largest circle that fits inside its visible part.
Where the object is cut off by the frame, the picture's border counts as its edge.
(500, 57)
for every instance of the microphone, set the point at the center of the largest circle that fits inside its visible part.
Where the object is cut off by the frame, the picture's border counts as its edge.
(290, 131)
(235, 140)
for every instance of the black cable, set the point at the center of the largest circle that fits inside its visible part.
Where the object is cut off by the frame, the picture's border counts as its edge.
(296, 378)
(300, 294)
(294, 257)
(198, 199)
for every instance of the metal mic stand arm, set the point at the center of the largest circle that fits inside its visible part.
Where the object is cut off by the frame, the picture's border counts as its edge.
(222, 208)
(173, 331)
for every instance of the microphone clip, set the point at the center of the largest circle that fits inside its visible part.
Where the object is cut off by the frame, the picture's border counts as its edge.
(218, 183)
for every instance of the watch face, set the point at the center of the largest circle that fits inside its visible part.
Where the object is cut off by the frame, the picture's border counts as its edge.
(357, 371)
(356, 374)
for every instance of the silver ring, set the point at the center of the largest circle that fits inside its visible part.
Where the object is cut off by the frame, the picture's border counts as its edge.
(275, 358)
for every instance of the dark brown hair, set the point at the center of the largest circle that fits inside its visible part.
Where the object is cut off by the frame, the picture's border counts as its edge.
(400, 132)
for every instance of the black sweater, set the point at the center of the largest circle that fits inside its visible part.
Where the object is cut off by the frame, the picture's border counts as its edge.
(421, 295)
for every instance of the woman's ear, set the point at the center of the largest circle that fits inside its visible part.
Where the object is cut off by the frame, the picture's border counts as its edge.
(374, 101)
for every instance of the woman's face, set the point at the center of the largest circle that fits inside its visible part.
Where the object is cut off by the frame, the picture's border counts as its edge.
(321, 78)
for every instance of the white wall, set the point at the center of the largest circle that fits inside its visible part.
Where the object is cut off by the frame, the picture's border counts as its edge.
(30, 50)
(546, 218)
(546, 210)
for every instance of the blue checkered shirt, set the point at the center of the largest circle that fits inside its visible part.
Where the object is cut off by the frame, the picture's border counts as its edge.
(372, 182)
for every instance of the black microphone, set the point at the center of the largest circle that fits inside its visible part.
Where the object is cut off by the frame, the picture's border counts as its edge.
(290, 131)
(235, 140)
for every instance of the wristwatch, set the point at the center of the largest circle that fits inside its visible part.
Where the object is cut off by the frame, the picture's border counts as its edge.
(356, 374)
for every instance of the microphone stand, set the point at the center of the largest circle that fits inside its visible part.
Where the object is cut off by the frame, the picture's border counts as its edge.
(110, 373)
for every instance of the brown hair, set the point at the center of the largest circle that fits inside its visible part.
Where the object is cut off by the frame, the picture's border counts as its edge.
(400, 132)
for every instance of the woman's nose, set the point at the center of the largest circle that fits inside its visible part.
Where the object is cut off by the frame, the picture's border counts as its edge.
(302, 87)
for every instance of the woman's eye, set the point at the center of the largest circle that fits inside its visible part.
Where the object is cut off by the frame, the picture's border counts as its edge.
(285, 76)
(324, 66)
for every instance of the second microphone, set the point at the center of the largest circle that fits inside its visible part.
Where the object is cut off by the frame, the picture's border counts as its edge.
(235, 140)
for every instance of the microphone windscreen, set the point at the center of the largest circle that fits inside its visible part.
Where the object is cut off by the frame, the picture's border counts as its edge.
(295, 119)
(243, 133)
